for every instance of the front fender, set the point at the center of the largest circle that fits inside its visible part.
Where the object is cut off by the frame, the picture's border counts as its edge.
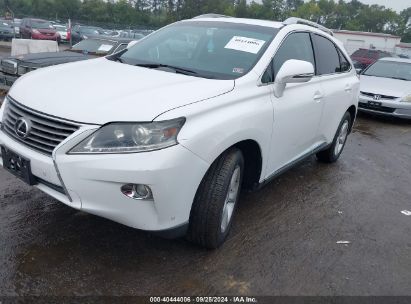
(215, 125)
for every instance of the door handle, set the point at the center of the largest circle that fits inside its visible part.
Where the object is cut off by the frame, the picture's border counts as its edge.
(318, 96)
(348, 88)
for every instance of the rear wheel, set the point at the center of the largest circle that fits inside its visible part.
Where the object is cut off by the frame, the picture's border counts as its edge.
(332, 153)
(216, 200)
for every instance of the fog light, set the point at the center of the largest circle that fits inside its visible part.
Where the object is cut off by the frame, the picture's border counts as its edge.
(137, 192)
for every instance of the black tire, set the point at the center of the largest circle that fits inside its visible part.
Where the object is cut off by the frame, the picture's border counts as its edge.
(331, 155)
(206, 217)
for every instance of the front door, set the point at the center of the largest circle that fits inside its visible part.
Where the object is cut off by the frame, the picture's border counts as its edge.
(297, 114)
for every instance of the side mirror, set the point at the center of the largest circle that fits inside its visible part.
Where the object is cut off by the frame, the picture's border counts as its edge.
(292, 71)
(358, 71)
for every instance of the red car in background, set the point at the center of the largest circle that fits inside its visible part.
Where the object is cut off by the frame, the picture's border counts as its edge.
(366, 57)
(38, 29)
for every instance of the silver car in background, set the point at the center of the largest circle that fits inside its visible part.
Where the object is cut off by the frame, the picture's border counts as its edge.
(386, 88)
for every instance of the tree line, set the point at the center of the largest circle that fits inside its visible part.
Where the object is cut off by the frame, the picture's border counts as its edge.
(335, 14)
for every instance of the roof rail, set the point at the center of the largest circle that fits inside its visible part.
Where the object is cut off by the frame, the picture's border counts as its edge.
(211, 16)
(294, 20)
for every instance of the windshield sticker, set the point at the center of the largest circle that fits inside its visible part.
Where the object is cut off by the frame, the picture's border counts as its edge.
(105, 47)
(238, 70)
(245, 44)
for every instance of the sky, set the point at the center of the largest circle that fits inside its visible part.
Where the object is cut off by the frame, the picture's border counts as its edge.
(397, 5)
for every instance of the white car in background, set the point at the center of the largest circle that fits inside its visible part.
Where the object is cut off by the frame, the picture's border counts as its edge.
(164, 135)
(63, 31)
(386, 88)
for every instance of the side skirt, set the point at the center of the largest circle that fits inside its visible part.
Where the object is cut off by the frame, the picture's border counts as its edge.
(292, 164)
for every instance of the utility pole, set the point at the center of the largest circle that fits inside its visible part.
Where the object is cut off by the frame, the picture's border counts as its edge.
(70, 32)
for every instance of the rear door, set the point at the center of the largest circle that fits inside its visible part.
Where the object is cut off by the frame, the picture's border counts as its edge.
(297, 114)
(338, 82)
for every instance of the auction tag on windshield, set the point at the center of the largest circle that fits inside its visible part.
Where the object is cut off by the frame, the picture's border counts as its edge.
(105, 47)
(245, 44)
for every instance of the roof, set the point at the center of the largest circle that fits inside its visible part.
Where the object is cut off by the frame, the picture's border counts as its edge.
(395, 59)
(382, 35)
(267, 23)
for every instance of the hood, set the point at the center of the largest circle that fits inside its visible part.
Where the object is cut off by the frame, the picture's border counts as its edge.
(385, 86)
(49, 58)
(99, 91)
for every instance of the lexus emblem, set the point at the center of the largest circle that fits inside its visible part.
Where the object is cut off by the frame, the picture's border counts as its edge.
(377, 97)
(22, 127)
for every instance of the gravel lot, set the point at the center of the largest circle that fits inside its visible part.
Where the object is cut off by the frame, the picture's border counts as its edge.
(284, 238)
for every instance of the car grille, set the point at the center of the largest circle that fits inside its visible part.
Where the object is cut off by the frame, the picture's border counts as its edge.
(46, 132)
(372, 95)
(9, 67)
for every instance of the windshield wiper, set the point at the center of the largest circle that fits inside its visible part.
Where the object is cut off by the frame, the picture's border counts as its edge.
(160, 65)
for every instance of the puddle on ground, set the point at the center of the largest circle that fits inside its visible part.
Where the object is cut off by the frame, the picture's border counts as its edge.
(365, 130)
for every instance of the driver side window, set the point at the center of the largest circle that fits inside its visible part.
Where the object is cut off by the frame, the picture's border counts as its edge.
(296, 46)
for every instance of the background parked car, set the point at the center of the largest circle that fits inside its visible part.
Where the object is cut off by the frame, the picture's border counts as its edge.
(365, 57)
(14, 67)
(6, 30)
(38, 29)
(386, 88)
(80, 32)
(63, 32)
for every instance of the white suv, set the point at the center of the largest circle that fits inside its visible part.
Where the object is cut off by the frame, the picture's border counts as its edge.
(163, 136)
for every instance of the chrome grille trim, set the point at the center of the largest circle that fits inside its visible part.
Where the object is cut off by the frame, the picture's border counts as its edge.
(46, 132)
(381, 96)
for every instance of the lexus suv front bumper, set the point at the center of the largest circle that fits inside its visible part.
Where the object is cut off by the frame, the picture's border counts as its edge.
(92, 183)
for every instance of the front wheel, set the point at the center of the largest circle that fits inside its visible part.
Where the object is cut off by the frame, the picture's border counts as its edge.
(333, 152)
(216, 200)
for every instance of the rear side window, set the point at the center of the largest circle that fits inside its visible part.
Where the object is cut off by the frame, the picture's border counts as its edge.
(327, 58)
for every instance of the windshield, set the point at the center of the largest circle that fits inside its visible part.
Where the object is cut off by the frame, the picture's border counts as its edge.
(39, 24)
(390, 69)
(94, 46)
(220, 50)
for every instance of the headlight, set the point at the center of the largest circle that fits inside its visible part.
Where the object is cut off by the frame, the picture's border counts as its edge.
(131, 137)
(407, 98)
